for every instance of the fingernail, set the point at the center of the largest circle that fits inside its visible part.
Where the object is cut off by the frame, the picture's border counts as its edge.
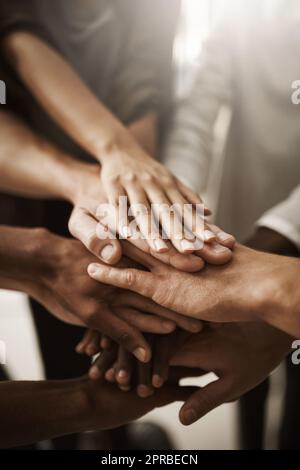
(190, 416)
(122, 374)
(125, 231)
(208, 235)
(144, 391)
(168, 325)
(92, 269)
(160, 245)
(107, 252)
(187, 246)
(140, 354)
(157, 381)
(219, 248)
(94, 373)
(91, 350)
(223, 236)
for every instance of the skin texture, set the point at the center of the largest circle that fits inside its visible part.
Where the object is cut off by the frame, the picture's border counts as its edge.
(34, 411)
(44, 264)
(241, 356)
(21, 155)
(127, 169)
(253, 287)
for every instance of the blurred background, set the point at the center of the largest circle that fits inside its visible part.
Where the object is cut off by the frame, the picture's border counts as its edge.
(218, 430)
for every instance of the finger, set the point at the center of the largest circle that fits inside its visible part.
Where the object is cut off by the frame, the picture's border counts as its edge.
(183, 262)
(169, 394)
(222, 237)
(140, 210)
(90, 344)
(94, 236)
(141, 282)
(188, 193)
(214, 253)
(149, 306)
(192, 220)
(80, 347)
(122, 333)
(144, 386)
(123, 369)
(105, 342)
(103, 363)
(170, 220)
(110, 375)
(145, 322)
(162, 352)
(178, 373)
(203, 401)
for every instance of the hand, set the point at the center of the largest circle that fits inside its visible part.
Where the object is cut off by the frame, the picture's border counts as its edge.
(61, 283)
(254, 286)
(241, 355)
(87, 226)
(110, 407)
(118, 366)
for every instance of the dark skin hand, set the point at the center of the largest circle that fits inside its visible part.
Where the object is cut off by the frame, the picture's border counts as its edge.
(241, 355)
(119, 366)
(34, 411)
(42, 264)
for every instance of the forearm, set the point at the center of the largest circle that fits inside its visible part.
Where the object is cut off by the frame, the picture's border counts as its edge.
(19, 260)
(144, 130)
(64, 96)
(34, 411)
(30, 166)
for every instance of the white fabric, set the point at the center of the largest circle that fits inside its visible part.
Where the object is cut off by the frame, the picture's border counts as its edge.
(248, 63)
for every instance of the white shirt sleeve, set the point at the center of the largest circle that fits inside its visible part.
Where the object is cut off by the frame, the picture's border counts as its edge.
(285, 218)
(189, 144)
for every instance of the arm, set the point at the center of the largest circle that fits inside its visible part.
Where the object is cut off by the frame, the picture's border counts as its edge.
(31, 166)
(126, 168)
(34, 411)
(188, 150)
(285, 220)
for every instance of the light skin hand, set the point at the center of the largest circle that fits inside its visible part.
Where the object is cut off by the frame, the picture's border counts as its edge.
(127, 169)
(241, 356)
(253, 287)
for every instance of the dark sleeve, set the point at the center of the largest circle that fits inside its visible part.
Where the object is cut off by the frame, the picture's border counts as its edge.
(19, 15)
(144, 76)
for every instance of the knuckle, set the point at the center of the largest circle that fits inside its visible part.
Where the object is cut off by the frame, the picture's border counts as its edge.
(147, 178)
(130, 177)
(130, 277)
(92, 241)
(123, 337)
(167, 181)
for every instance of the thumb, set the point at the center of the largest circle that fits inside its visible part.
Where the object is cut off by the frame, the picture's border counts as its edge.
(94, 236)
(203, 401)
(171, 393)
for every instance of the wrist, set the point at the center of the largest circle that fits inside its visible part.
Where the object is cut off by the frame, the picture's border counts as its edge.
(265, 239)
